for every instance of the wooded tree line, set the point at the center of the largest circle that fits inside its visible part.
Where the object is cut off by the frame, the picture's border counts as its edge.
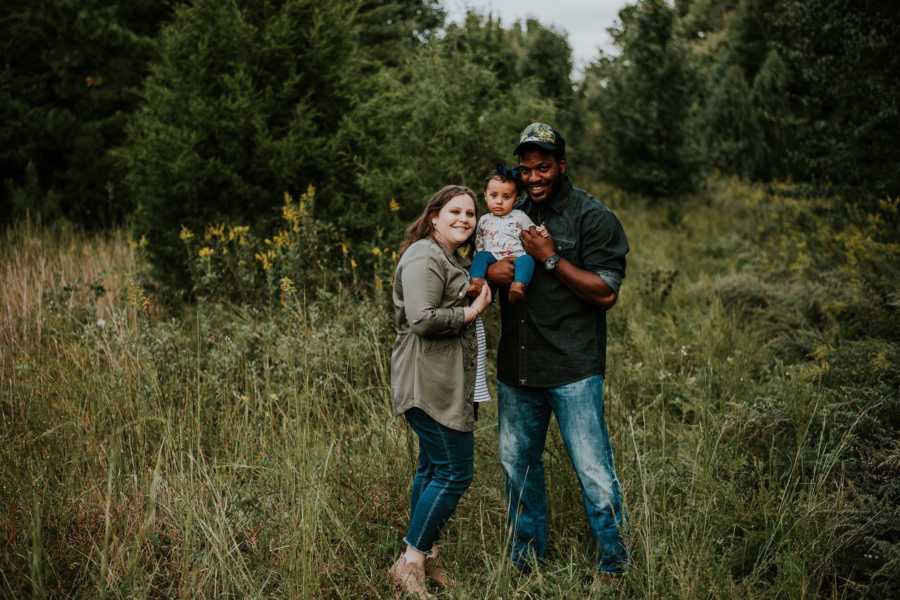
(183, 113)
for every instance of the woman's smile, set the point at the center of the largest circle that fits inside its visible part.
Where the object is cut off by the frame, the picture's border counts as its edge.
(455, 222)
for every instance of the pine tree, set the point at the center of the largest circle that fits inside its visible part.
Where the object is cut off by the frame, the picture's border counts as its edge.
(68, 82)
(441, 118)
(390, 29)
(770, 101)
(548, 60)
(484, 41)
(644, 105)
(241, 108)
(843, 92)
(733, 136)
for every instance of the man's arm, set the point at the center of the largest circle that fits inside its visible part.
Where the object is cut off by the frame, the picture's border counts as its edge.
(588, 286)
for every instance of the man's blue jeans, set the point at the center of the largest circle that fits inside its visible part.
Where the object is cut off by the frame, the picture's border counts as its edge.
(524, 415)
(445, 470)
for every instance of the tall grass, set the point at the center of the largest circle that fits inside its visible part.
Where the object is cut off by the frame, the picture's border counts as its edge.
(248, 452)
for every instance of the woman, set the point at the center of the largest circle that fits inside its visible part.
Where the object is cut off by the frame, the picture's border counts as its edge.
(433, 366)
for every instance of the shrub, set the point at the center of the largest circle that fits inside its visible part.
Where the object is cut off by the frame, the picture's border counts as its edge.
(438, 120)
(230, 263)
(240, 107)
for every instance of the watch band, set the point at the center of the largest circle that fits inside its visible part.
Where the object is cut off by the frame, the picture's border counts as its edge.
(550, 262)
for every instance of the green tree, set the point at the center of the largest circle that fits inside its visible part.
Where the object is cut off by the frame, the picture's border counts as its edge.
(824, 80)
(484, 40)
(548, 60)
(733, 137)
(390, 29)
(773, 111)
(844, 92)
(241, 108)
(644, 105)
(70, 76)
(440, 119)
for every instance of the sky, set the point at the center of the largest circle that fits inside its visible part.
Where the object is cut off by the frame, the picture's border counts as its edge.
(585, 21)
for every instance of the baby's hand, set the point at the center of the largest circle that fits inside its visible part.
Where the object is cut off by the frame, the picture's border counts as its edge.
(543, 231)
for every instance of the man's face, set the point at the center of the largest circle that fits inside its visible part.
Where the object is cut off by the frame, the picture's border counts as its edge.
(541, 173)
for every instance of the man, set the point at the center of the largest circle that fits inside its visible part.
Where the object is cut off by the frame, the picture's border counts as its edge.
(552, 353)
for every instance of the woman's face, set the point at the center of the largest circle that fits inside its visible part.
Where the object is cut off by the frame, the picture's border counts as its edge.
(455, 222)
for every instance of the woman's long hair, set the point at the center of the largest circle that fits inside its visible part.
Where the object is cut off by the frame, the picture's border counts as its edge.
(422, 228)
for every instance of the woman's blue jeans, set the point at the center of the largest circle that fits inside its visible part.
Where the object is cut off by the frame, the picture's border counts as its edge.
(524, 416)
(445, 470)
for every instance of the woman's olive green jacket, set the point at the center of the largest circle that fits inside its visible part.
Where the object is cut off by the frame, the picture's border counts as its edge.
(433, 359)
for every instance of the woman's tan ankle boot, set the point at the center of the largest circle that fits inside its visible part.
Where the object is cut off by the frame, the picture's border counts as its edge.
(409, 578)
(434, 569)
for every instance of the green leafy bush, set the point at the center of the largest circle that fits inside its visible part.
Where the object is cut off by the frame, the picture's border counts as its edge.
(241, 106)
(439, 119)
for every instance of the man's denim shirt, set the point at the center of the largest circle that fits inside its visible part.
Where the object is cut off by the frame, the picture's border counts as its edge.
(553, 337)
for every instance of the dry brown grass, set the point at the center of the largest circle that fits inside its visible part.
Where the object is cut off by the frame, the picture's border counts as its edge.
(62, 266)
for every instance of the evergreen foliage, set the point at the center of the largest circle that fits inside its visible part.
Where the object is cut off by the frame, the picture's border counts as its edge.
(70, 73)
(527, 50)
(644, 105)
(438, 120)
(824, 86)
(733, 137)
(240, 109)
(772, 111)
(844, 94)
(547, 59)
(390, 29)
(485, 41)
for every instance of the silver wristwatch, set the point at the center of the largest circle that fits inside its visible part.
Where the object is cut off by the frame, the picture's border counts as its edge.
(550, 262)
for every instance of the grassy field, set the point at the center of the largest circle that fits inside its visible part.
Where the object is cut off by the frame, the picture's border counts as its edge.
(248, 452)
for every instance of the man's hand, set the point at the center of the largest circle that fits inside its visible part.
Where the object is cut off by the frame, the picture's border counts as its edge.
(502, 272)
(539, 246)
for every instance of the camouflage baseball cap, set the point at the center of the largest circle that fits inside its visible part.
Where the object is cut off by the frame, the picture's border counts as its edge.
(543, 136)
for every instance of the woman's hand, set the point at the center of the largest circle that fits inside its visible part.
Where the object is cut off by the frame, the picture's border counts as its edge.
(478, 304)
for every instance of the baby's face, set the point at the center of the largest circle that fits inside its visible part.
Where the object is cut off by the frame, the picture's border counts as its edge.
(500, 196)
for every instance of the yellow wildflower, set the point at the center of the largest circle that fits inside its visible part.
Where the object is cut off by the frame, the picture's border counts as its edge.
(205, 252)
(238, 233)
(353, 263)
(186, 234)
(393, 205)
(265, 259)
(376, 251)
(214, 231)
(289, 214)
(345, 249)
(881, 362)
(135, 294)
(286, 285)
(281, 239)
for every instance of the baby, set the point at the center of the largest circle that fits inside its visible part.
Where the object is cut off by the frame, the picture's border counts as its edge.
(497, 234)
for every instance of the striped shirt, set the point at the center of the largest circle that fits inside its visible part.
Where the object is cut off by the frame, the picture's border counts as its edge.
(482, 394)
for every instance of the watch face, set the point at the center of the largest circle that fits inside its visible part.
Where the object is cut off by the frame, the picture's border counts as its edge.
(551, 262)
